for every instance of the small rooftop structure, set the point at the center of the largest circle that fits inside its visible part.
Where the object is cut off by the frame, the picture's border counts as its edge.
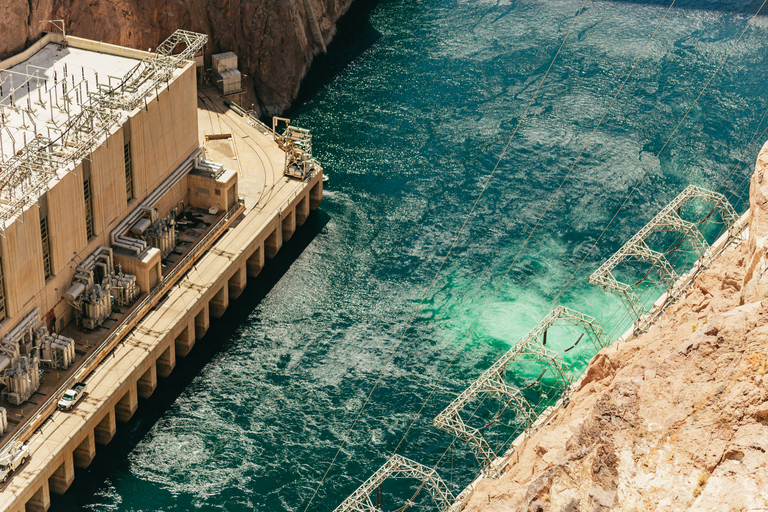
(227, 77)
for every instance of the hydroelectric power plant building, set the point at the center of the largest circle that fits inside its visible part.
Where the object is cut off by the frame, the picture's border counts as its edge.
(128, 217)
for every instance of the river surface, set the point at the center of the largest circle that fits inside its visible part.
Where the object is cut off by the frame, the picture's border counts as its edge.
(410, 112)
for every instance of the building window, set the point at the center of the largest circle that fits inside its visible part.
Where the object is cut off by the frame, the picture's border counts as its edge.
(128, 171)
(46, 246)
(88, 208)
(2, 293)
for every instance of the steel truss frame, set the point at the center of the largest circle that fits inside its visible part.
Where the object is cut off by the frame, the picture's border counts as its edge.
(491, 383)
(26, 175)
(398, 467)
(636, 249)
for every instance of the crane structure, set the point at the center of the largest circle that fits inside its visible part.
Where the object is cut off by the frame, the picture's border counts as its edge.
(636, 248)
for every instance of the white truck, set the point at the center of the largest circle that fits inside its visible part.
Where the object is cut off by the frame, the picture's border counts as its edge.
(12, 458)
(71, 396)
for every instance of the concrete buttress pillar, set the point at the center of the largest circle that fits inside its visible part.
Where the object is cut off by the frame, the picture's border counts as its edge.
(186, 339)
(302, 210)
(202, 322)
(128, 404)
(316, 195)
(273, 243)
(237, 283)
(63, 477)
(289, 225)
(85, 451)
(167, 360)
(256, 262)
(105, 430)
(220, 302)
(41, 500)
(147, 382)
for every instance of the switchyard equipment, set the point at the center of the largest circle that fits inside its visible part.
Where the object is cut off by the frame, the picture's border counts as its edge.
(398, 467)
(297, 144)
(637, 250)
(156, 232)
(48, 124)
(56, 351)
(491, 383)
(143, 228)
(23, 350)
(20, 373)
(91, 291)
(22, 380)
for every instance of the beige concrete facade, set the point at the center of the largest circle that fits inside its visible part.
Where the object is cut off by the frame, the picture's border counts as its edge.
(162, 135)
(277, 206)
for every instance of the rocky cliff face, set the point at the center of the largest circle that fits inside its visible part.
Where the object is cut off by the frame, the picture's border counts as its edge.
(275, 40)
(676, 419)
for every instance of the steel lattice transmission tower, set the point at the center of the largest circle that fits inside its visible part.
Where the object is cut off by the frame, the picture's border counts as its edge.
(398, 467)
(637, 250)
(491, 383)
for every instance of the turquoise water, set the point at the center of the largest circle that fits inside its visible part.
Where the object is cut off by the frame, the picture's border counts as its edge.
(409, 113)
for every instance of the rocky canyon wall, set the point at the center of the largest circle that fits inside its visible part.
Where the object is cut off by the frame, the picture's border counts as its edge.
(676, 419)
(275, 40)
